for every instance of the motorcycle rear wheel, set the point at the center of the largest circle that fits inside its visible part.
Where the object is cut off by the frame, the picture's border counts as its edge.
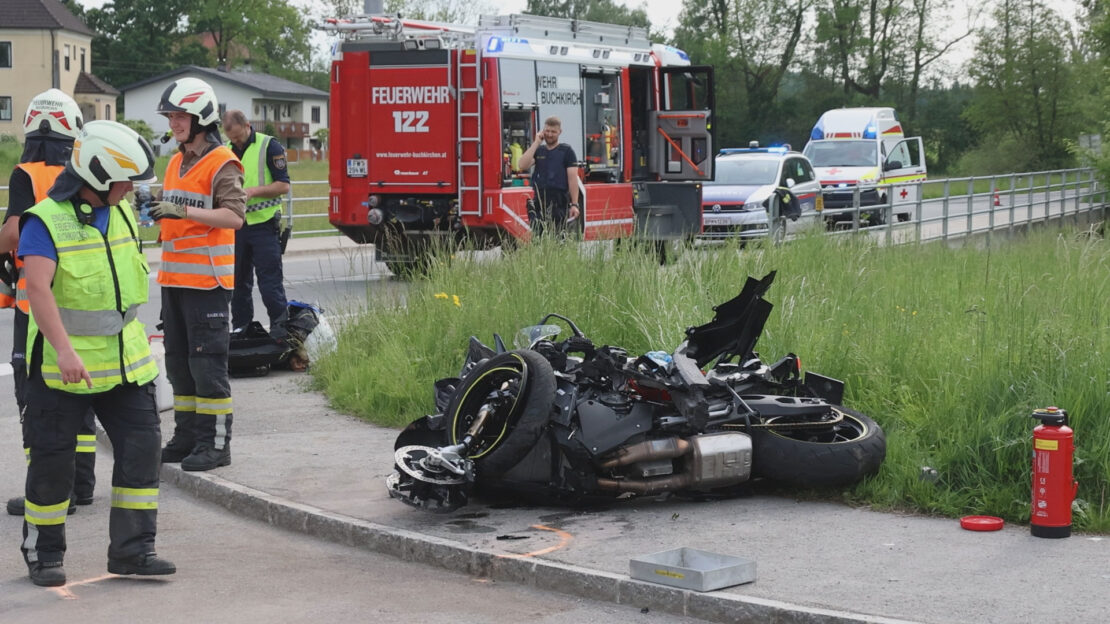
(519, 386)
(822, 456)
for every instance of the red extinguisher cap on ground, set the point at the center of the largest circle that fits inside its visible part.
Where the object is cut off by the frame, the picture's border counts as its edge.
(981, 523)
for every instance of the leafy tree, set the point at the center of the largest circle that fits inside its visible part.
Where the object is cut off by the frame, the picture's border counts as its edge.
(274, 28)
(858, 41)
(137, 39)
(752, 45)
(141, 127)
(1025, 83)
(450, 11)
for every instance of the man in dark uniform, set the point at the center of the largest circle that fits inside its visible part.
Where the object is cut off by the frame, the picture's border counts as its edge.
(258, 242)
(555, 179)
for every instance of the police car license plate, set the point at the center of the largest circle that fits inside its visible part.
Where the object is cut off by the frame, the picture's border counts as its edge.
(356, 167)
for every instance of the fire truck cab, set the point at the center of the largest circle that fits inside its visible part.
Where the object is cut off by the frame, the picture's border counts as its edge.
(428, 121)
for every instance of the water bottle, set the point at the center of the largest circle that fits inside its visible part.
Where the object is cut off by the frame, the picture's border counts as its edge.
(143, 197)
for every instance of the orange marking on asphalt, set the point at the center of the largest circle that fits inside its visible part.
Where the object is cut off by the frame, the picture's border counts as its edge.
(564, 539)
(63, 591)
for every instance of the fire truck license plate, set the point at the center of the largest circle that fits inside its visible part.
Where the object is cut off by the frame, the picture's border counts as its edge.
(356, 167)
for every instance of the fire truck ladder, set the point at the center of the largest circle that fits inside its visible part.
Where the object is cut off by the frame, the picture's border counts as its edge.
(469, 107)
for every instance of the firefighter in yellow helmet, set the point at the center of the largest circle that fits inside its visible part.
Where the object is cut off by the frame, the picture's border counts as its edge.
(86, 278)
(203, 204)
(52, 121)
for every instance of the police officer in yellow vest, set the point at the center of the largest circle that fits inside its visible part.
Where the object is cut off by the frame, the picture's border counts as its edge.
(86, 278)
(52, 121)
(258, 243)
(203, 205)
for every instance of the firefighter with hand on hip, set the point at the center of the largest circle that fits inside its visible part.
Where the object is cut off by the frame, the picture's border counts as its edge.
(555, 178)
(258, 243)
(52, 121)
(86, 278)
(202, 206)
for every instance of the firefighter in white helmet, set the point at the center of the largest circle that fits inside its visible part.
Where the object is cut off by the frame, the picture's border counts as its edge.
(203, 203)
(52, 121)
(86, 278)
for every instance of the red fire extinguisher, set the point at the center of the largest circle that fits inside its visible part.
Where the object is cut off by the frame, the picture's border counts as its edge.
(1054, 488)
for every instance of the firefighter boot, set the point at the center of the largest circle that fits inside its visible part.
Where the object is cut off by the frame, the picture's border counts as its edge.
(177, 449)
(147, 564)
(15, 506)
(205, 457)
(47, 573)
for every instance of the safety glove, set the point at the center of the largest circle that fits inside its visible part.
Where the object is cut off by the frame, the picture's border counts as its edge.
(8, 272)
(166, 210)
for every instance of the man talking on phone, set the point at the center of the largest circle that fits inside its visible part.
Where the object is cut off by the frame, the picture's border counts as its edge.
(555, 179)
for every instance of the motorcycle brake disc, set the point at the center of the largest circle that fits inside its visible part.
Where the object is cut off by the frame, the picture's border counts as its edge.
(412, 461)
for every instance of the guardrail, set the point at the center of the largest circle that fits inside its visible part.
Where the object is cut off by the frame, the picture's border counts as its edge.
(962, 208)
(945, 209)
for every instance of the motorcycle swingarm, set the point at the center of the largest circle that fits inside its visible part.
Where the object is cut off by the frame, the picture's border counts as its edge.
(777, 406)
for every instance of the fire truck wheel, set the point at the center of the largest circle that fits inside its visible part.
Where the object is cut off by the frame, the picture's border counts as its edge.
(825, 456)
(516, 391)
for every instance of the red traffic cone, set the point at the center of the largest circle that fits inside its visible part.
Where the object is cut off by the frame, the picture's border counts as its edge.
(997, 201)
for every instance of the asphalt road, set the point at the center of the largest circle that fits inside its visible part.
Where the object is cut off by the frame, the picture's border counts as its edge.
(231, 569)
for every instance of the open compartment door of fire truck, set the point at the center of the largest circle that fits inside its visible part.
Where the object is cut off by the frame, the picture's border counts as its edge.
(680, 149)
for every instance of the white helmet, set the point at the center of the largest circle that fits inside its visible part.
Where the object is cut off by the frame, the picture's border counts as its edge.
(193, 96)
(108, 151)
(52, 114)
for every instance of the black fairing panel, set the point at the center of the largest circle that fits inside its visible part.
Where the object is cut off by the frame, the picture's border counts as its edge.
(735, 327)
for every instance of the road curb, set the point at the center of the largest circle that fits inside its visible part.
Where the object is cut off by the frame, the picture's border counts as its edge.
(540, 574)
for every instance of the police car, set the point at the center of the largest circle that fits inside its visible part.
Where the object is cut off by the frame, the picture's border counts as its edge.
(735, 204)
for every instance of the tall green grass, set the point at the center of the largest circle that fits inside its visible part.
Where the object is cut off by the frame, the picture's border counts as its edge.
(948, 349)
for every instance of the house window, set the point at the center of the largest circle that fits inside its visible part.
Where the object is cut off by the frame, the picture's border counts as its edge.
(5, 53)
(108, 111)
(315, 114)
(82, 59)
(67, 57)
(5, 108)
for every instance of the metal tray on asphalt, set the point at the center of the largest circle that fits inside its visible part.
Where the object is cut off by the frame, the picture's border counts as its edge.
(690, 568)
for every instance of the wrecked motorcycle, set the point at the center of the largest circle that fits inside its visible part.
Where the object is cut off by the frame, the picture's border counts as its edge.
(568, 422)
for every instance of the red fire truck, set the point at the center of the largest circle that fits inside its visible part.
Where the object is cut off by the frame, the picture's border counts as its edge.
(428, 120)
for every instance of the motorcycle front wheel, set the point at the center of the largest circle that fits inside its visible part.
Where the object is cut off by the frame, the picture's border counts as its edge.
(517, 389)
(820, 456)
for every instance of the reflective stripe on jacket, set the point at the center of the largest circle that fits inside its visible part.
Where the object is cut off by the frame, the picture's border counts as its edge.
(195, 255)
(256, 173)
(42, 178)
(98, 285)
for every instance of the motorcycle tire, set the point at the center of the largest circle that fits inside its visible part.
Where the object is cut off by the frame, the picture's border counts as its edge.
(521, 412)
(832, 456)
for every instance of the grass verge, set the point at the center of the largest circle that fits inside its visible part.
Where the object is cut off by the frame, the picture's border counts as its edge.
(948, 349)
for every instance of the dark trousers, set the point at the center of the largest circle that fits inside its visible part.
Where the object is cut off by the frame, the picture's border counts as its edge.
(52, 419)
(197, 334)
(85, 462)
(549, 207)
(258, 251)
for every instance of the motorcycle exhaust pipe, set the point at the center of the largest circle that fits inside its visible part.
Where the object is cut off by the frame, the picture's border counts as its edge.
(667, 448)
(648, 487)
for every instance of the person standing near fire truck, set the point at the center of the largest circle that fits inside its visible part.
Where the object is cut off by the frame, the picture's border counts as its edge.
(52, 121)
(555, 179)
(258, 243)
(86, 279)
(202, 205)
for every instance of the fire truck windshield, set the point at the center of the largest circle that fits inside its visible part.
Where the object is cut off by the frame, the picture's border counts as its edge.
(838, 153)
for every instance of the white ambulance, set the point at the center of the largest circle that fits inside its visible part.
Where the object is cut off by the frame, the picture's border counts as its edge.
(866, 148)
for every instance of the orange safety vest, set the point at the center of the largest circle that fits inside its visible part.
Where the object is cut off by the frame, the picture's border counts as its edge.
(195, 255)
(42, 178)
